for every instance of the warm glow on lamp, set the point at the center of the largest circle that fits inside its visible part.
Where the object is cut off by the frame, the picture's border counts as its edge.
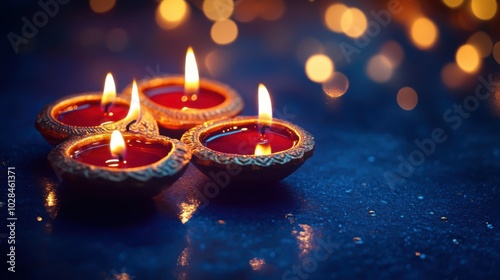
(192, 78)
(134, 112)
(265, 120)
(117, 145)
(109, 93)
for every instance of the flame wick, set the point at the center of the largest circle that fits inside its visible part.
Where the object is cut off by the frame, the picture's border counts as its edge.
(106, 107)
(263, 128)
(127, 128)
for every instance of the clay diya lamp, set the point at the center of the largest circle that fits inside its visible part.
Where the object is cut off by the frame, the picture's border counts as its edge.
(180, 102)
(90, 113)
(250, 149)
(112, 166)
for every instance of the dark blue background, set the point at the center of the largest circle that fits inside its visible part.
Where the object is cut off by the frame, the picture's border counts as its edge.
(442, 222)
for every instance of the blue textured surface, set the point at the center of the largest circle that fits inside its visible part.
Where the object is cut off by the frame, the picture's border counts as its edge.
(337, 217)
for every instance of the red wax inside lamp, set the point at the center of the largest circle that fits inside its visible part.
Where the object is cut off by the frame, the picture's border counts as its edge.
(243, 139)
(90, 113)
(139, 153)
(173, 97)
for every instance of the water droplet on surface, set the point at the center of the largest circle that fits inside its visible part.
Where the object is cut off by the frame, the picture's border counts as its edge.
(490, 226)
(348, 190)
(455, 241)
(357, 240)
(420, 197)
(444, 218)
(39, 218)
(431, 212)
(221, 222)
(372, 213)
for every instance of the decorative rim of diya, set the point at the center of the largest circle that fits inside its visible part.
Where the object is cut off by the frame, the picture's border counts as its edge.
(205, 156)
(138, 178)
(55, 131)
(176, 119)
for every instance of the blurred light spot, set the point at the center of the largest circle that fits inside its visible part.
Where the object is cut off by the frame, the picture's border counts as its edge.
(116, 39)
(319, 68)
(271, 10)
(224, 32)
(407, 98)
(171, 13)
(102, 6)
(218, 9)
(453, 3)
(337, 85)
(307, 47)
(467, 58)
(452, 76)
(424, 33)
(39, 218)
(246, 11)
(393, 51)
(484, 9)
(496, 52)
(257, 263)
(353, 22)
(217, 62)
(380, 68)
(90, 37)
(482, 41)
(333, 16)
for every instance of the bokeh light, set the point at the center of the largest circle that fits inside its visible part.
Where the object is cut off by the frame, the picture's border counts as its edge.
(453, 3)
(102, 6)
(337, 85)
(393, 51)
(379, 68)
(116, 39)
(424, 33)
(333, 16)
(484, 9)
(224, 32)
(453, 77)
(407, 98)
(218, 9)
(467, 58)
(171, 13)
(482, 41)
(271, 10)
(246, 11)
(496, 52)
(319, 68)
(307, 47)
(353, 22)
(218, 62)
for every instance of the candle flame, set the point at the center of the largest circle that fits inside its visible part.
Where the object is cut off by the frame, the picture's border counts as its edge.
(265, 107)
(262, 149)
(192, 78)
(117, 145)
(134, 111)
(109, 92)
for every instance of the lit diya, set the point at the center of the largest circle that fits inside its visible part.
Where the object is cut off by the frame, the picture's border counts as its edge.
(116, 166)
(89, 113)
(180, 102)
(250, 149)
